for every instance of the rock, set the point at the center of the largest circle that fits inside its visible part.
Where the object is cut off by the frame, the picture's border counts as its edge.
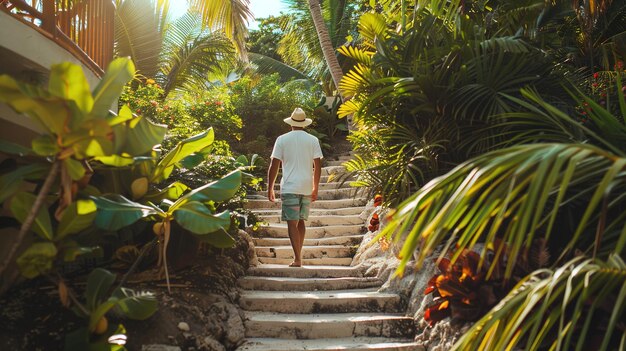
(159, 347)
(183, 326)
(232, 324)
(210, 344)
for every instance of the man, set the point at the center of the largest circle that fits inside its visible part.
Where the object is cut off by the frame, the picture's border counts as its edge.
(300, 155)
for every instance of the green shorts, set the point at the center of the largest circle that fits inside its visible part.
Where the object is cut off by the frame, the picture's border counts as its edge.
(295, 207)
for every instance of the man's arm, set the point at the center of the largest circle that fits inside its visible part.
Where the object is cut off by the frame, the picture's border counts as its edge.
(317, 172)
(272, 172)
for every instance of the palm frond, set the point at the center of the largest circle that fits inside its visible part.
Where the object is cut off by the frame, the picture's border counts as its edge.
(229, 16)
(372, 26)
(192, 53)
(515, 194)
(138, 34)
(267, 65)
(581, 306)
(357, 54)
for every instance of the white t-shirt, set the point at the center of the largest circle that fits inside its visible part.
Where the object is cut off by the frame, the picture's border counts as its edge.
(297, 150)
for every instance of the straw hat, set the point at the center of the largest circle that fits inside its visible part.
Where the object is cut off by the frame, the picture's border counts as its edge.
(298, 119)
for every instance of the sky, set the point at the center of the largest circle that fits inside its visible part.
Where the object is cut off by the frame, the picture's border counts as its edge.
(260, 9)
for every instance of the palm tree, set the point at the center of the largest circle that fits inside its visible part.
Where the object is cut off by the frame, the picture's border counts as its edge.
(180, 55)
(326, 44)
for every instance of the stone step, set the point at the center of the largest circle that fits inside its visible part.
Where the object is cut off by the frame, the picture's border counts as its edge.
(324, 261)
(340, 177)
(341, 301)
(275, 270)
(307, 284)
(336, 163)
(318, 211)
(307, 251)
(328, 194)
(324, 185)
(320, 221)
(324, 326)
(348, 240)
(320, 204)
(280, 231)
(333, 170)
(351, 344)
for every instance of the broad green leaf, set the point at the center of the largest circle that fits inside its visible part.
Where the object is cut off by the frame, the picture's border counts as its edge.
(123, 115)
(117, 75)
(116, 160)
(242, 160)
(90, 139)
(135, 305)
(45, 145)
(10, 148)
(116, 212)
(198, 219)
(74, 168)
(138, 136)
(22, 204)
(9, 182)
(78, 215)
(220, 239)
(98, 284)
(192, 160)
(219, 190)
(68, 81)
(172, 192)
(37, 259)
(50, 112)
(71, 253)
(183, 149)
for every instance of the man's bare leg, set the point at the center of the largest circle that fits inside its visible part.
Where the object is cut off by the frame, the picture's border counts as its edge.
(294, 237)
(302, 232)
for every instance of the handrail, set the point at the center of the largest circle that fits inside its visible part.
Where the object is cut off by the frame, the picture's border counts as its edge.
(83, 27)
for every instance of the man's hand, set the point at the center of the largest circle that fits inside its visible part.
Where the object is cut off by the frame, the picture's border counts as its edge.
(270, 195)
(314, 195)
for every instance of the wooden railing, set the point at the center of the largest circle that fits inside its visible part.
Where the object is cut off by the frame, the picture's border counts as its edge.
(83, 27)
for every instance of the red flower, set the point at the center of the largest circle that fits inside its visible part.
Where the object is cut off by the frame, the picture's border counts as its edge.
(218, 103)
(596, 75)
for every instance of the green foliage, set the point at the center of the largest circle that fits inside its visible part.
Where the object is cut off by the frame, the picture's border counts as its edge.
(100, 298)
(263, 103)
(491, 115)
(73, 136)
(188, 114)
(582, 302)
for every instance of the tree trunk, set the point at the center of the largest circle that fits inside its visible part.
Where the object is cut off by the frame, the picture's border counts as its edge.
(326, 44)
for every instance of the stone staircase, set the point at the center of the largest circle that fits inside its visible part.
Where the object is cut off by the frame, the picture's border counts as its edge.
(326, 304)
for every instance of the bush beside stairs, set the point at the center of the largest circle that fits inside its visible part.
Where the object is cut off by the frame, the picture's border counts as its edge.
(327, 304)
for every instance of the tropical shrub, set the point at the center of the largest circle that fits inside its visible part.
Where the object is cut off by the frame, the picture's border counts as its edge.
(498, 125)
(263, 103)
(186, 115)
(566, 195)
(78, 129)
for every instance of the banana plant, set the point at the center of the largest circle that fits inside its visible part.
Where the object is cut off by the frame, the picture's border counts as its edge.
(78, 127)
(100, 298)
(140, 177)
(194, 211)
